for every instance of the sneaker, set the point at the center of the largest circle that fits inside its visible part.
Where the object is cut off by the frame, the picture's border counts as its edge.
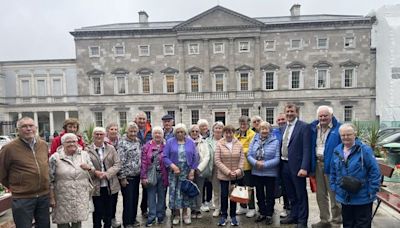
(176, 220)
(251, 213)
(115, 223)
(234, 221)
(187, 220)
(150, 223)
(268, 220)
(222, 221)
(216, 213)
(241, 211)
(205, 207)
(284, 213)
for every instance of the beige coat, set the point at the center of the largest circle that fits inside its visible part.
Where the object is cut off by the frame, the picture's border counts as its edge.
(112, 165)
(71, 187)
(227, 161)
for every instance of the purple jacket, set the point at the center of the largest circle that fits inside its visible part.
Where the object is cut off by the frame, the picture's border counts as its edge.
(171, 153)
(147, 153)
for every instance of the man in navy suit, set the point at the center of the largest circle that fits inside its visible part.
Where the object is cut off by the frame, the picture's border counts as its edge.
(295, 159)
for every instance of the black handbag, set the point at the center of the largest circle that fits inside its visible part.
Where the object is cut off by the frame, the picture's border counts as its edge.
(350, 184)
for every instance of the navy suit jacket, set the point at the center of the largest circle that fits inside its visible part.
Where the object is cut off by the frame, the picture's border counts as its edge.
(299, 148)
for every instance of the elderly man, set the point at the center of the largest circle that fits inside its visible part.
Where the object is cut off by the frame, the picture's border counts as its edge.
(70, 125)
(24, 169)
(324, 138)
(295, 159)
(168, 126)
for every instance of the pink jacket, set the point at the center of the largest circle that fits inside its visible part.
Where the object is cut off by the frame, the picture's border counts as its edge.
(147, 153)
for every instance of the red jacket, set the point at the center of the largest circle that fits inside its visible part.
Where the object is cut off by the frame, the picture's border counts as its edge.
(57, 142)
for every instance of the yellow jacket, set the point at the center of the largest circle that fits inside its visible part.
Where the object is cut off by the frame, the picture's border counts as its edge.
(245, 141)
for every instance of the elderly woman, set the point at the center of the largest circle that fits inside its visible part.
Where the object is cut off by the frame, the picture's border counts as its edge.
(229, 159)
(203, 170)
(354, 160)
(152, 155)
(129, 151)
(212, 142)
(107, 164)
(255, 123)
(70, 183)
(181, 157)
(264, 157)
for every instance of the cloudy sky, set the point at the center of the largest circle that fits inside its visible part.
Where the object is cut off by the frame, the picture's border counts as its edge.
(39, 29)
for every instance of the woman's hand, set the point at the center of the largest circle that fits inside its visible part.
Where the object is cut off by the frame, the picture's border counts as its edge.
(124, 182)
(191, 175)
(175, 169)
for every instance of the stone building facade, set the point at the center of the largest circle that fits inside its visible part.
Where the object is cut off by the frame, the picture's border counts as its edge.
(221, 64)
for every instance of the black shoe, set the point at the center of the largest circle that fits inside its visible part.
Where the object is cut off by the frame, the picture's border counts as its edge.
(268, 220)
(260, 218)
(301, 226)
(289, 220)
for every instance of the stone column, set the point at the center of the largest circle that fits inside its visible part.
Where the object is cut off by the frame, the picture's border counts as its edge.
(51, 122)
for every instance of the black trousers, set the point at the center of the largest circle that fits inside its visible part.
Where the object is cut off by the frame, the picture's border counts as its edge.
(130, 196)
(265, 190)
(224, 200)
(357, 216)
(102, 209)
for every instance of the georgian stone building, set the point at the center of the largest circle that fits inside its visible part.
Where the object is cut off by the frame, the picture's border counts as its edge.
(221, 64)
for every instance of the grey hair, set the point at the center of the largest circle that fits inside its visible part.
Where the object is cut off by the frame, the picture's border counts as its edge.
(322, 107)
(348, 125)
(180, 126)
(217, 124)
(131, 125)
(265, 124)
(254, 118)
(157, 129)
(99, 129)
(202, 122)
(68, 135)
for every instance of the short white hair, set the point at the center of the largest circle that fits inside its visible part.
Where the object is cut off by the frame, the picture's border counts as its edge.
(157, 129)
(202, 122)
(67, 136)
(180, 126)
(99, 129)
(325, 107)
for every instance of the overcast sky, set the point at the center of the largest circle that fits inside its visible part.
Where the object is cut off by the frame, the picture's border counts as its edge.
(39, 29)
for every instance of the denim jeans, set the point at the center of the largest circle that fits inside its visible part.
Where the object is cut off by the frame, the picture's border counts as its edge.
(130, 196)
(156, 200)
(24, 210)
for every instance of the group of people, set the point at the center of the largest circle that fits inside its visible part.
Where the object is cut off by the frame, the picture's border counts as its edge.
(76, 179)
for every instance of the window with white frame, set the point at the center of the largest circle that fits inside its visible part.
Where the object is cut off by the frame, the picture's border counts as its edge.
(244, 46)
(122, 119)
(169, 49)
(348, 113)
(170, 83)
(194, 49)
(120, 81)
(244, 81)
(144, 50)
(195, 116)
(349, 42)
(219, 82)
(295, 44)
(219, 47)
(244, 112)
(322, 79)
(94, 51)
(119, 50)
(57, 87)
(322, 43)
(269, 45)
(269, 115)
(269, 80)
(349, 78)
(194, 83)
(98, 119)
(295, 79)
(97, 85)
(25, 88)
(41, 88)
(148, 115)
(145, 84)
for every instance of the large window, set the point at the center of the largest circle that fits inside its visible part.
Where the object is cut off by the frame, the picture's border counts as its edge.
(96, 85)
(144, 50)
(295, 79)
(122, 119)
(121, 84)
(269, 80)
(170, 81)
(41, 88)
(98, 119)
(269, 115)
(194, 83)
(219, 82)
(348, 113)
(195, 116)
(348, 78)
(244, 81)
(57, 89)
(145, 84)
(322, 79)
(194, 49)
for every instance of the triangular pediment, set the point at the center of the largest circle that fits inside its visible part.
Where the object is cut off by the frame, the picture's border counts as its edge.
(218, 17)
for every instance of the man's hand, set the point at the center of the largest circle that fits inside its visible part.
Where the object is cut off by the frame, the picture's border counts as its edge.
(302, 173)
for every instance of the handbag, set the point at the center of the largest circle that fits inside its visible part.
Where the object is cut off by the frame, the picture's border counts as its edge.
(350, 184)
(189, 188)
(239, 194)
(152, 175)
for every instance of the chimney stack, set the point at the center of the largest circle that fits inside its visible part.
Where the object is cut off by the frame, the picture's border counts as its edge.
(143, 17)
(295, 10)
